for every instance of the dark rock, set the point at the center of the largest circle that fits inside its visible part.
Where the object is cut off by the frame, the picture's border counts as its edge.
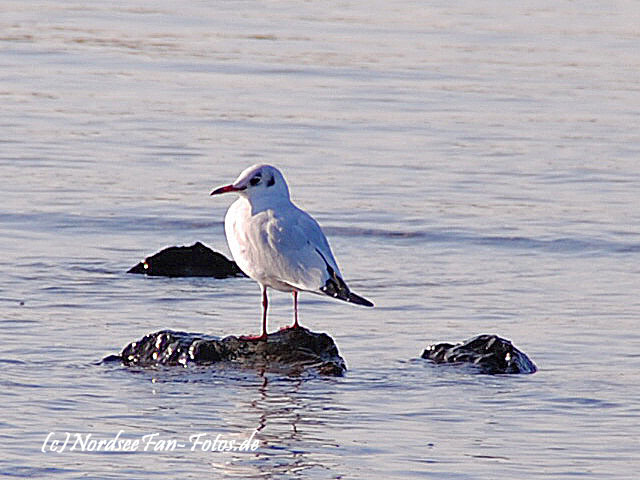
(489, 353)
(291, 351)
(197, 260)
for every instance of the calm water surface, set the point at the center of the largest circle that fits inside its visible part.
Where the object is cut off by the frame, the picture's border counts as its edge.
(476, 168)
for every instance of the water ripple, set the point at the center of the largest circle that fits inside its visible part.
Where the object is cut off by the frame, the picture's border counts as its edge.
(563, 245)
(80, 223)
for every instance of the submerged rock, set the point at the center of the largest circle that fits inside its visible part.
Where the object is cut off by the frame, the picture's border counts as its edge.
(490, 353)
(197, 260)
(291, 351)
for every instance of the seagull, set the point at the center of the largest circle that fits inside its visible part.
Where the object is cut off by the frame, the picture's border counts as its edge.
(279, 245)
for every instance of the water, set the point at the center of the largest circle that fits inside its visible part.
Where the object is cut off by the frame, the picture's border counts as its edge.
(475, 167)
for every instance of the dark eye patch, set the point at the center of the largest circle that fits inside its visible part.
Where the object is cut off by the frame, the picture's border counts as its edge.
(271, 182)
(256, 179)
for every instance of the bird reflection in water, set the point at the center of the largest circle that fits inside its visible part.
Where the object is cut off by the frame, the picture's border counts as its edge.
(293, 416)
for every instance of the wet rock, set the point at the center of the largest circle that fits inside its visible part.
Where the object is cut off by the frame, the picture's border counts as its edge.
(197, 260)
(290, 351)
(489, 353)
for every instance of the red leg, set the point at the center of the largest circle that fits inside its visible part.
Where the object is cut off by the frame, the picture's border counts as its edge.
(265, 305)
(295, 309)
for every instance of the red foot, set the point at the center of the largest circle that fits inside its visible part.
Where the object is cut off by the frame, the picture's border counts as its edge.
(253, 338)
(290, 327)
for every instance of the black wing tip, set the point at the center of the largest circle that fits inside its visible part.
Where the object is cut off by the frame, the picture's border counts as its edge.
(358, 300)
(336, 287)
(345, 295)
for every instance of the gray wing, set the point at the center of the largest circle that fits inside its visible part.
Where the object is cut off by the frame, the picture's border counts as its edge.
(311, 266)
(303, 255)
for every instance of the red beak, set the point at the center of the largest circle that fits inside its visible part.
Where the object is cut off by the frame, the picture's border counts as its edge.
(227, 188)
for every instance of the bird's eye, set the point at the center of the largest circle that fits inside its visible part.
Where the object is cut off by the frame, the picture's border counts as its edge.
(255, 180)
(271, 182)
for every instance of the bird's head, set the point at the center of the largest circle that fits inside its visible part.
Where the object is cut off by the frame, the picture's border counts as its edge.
(258, 181)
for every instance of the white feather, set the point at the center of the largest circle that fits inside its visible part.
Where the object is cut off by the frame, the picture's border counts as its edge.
(281, 246)
(277, 244)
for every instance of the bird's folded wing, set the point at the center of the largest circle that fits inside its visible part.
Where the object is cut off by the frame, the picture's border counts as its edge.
(301, 252)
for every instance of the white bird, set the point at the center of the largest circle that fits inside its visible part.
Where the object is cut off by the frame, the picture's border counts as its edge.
(277, 244)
